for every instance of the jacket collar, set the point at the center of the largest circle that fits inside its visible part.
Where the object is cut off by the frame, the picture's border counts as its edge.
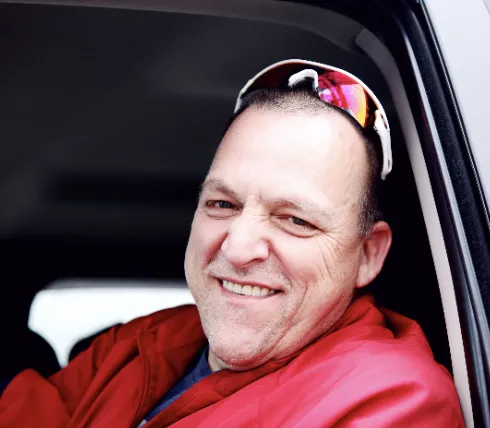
(169, 347)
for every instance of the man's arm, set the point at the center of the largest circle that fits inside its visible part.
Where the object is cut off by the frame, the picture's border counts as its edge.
(30, 400)
(33, 401)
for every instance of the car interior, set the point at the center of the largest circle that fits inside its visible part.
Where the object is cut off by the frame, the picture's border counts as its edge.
(109, 119)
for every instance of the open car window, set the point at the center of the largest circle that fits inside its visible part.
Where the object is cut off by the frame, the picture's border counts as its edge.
(122, 124)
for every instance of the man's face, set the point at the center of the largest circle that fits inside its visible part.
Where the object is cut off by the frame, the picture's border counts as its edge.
(277, 223)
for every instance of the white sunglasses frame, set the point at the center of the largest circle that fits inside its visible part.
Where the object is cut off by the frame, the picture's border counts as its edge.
(380, 125)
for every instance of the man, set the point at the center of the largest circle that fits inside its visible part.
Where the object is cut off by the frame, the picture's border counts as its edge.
(285, 237)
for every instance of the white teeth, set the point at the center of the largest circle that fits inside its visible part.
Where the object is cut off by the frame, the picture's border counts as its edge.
(247, 290)
(228, 285)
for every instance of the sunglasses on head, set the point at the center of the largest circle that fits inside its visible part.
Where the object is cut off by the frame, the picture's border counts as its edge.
(333, 86)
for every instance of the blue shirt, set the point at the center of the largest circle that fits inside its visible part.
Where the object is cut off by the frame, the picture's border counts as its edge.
(193, 375)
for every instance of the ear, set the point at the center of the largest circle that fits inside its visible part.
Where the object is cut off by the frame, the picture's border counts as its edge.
(375, 248)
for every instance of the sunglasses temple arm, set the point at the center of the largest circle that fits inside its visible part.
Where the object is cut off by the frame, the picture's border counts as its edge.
(384, 136)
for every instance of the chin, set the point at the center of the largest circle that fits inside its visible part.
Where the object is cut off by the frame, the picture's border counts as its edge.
(239, 356)
(237, 363)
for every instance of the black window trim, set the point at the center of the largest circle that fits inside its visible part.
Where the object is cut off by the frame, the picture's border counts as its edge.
(405, 28)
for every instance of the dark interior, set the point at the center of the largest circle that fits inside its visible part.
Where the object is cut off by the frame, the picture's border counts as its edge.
(108, 122)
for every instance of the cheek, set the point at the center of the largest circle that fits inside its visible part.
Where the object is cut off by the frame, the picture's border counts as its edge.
(317, 262)
(205, 240)
(302, 261)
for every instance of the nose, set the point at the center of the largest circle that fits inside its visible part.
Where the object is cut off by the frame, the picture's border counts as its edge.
(245, 242)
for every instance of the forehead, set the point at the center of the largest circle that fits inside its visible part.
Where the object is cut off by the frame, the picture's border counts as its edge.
(304, 155)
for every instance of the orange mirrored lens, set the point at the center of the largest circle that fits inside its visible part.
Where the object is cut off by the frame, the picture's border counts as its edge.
(340, 90)
(334, 87)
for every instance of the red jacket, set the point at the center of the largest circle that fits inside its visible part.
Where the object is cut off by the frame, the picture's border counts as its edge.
(359, 374)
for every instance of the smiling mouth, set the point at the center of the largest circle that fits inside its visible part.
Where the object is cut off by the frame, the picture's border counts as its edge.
(247, 290)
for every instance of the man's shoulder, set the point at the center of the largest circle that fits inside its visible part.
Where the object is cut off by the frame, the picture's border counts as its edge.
(402, 359)
(398, 362)
(392, 350)
(374, 355)
(377, 379)
(369, 367)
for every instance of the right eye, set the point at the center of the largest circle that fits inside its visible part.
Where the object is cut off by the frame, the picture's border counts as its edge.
(219, 209)
(222, 205)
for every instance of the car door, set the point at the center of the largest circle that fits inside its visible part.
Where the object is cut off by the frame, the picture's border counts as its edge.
(111, 171)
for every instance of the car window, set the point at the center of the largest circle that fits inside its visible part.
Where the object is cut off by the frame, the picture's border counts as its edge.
(70, 310)
(112, 191)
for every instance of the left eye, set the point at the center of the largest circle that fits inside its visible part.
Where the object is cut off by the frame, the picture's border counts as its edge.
(224, 205)
(300, 222)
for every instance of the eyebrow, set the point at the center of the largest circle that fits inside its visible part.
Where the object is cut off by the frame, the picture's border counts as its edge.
(307, 207)
(218, 185)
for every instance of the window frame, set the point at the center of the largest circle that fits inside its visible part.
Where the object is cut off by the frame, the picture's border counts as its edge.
(404, 27)
(457, 191)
